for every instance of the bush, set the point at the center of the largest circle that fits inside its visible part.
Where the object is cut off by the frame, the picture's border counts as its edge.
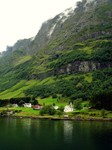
(49, 109)
(77, 104)
(21, 103)
(59, 112)
(4, 103)
(54, 96)
(102, 100)
(61, 109)
(103, 113)
(35, 102)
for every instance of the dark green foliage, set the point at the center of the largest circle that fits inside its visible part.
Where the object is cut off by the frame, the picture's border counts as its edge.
(22, 71)
(61, 109)
(43, 91)
(64, 87)
(48, 110)
(76, 88)
(68, 58)
(54, 96)
(102, 100)
(77, 104)
(19, 99)
(102, 51)
(59, 113)
(7, 84)
(35, 102)
(103, 113)
(96, 50)
(21, 102)
(4, 103)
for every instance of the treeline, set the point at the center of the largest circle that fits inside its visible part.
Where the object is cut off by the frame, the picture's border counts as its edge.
(20, 101)
(67, 88)
(102, 100)
(78, 87)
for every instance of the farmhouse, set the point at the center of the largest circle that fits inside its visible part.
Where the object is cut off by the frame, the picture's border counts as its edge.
(37, 107)
(28, 105)
(68, 108)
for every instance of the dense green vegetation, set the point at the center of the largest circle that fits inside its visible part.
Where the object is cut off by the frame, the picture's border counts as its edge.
(35, 70)
(78, 86)
(95, 50)
(19, 101)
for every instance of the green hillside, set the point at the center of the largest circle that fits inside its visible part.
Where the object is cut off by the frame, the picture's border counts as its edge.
(74, 61)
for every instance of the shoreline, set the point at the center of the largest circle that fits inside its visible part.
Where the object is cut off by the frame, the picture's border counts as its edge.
(59, 118)
(93, 115)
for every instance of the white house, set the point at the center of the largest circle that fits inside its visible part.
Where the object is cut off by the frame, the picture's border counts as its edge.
(56, 107)
(68, 108)
(14, 105)
(28, 105)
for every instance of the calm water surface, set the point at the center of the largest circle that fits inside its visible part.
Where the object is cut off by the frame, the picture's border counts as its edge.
(29, 134)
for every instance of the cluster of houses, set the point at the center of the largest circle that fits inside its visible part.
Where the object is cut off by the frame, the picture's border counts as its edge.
(67, 108)
(29, 105)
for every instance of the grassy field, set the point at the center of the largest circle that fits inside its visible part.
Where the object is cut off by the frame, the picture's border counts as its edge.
(23, 111)
(51, 101)
(17, 90)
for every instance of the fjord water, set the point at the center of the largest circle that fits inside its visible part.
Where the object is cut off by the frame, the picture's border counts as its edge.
(32, 134)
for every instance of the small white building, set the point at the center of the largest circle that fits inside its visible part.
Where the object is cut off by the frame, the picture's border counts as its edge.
(27, 105)
(14, 105)
(68, 108)
(56, 107)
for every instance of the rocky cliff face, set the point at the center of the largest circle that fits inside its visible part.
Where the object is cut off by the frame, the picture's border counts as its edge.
(88, 20)
(82, 66)
(50, 30)
(72, 68)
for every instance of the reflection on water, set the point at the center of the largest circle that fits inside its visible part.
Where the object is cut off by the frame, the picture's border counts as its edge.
(28, 134)
(68, 129)
(26, 125)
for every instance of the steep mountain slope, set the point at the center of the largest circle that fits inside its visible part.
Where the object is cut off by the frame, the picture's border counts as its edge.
(71, 55)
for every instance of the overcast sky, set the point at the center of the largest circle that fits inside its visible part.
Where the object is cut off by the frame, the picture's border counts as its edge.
(21, 19)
